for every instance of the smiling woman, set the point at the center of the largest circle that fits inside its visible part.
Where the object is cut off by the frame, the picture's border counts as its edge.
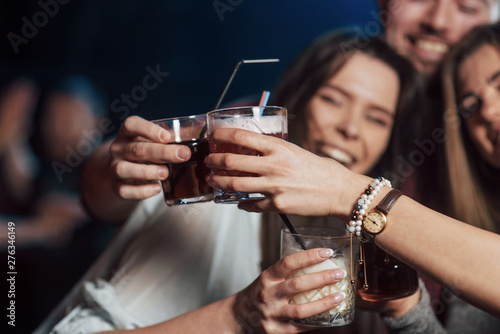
(350, 117)
(481, 79)
(347, 102)
(472, 91)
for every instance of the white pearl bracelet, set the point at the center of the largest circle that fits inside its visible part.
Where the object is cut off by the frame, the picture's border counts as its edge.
(364, 201)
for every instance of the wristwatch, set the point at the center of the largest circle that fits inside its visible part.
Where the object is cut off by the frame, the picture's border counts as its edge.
(375, 221)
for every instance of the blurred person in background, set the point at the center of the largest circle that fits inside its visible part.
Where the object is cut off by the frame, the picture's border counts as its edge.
(470, 174)
(424, 32)
(46, 131)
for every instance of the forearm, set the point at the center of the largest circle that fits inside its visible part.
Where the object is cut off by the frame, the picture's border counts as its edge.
(97, 191)
(215, 318)
(264, 306)
(457, 255)
(460, 256)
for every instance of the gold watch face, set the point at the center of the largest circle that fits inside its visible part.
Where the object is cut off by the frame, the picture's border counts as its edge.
(374, 222)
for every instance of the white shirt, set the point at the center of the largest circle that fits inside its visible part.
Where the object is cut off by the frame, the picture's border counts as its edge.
(179, 259)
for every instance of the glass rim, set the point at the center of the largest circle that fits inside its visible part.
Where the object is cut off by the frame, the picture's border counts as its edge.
(245, 107)
(181, 118)
(316, 236)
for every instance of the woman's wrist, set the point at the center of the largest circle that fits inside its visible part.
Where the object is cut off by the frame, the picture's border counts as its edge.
(352, 187)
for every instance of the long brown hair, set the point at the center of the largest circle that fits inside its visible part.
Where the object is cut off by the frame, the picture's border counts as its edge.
(322, 60)
(469, 190)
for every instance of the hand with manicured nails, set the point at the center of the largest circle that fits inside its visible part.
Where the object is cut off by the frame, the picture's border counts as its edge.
(264, 305)
(292, 178)
(298, 182)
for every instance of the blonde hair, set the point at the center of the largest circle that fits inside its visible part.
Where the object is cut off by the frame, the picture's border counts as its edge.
(470, 201)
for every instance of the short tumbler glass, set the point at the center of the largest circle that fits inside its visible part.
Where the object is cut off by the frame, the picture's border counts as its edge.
(345, 255)
(186, 182)
(269, 120)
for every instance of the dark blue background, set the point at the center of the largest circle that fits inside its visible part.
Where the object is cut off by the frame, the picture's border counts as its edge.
(113, 41)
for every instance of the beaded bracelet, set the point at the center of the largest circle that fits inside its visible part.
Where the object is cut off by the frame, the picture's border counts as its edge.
(363, 203)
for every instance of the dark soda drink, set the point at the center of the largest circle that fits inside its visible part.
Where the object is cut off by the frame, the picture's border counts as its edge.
(387, 277)
(187, 181)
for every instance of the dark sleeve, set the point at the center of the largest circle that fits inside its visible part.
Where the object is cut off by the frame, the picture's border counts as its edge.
(420, 319)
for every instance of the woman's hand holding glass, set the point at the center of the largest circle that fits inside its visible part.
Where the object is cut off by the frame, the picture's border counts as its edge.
(264, 305)
(295, 181)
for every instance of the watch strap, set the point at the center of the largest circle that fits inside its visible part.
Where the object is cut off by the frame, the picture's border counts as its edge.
(384, 206)
(389, 200)
(367, 236)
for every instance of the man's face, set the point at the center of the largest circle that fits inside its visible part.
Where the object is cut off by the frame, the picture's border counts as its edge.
(423, 30)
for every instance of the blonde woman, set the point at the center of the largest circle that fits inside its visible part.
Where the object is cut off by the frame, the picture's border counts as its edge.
(472, 124)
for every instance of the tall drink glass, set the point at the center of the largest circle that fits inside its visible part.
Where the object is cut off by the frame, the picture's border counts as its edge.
(345, 255)
(186, 182)
(268, 120)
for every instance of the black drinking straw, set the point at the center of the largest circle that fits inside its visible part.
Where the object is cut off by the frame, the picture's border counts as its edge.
(288, 223)
(292, 230)
(236, 68)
